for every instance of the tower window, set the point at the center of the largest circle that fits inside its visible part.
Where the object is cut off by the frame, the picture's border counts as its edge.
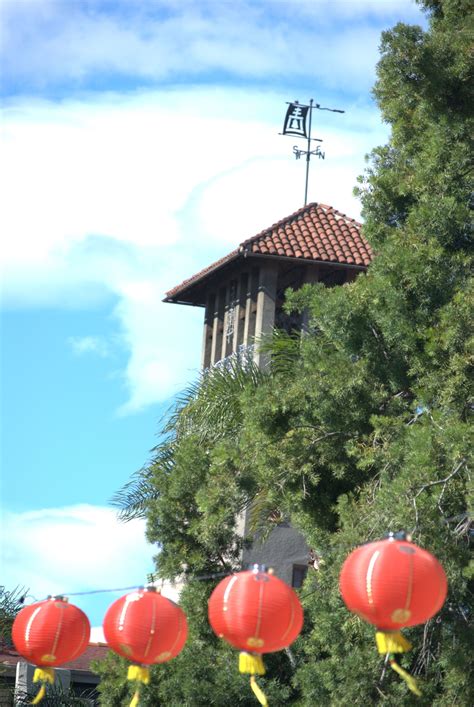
(299, 575)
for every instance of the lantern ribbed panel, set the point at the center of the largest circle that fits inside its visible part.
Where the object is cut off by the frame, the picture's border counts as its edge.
(145, 627)
(51, 632)
(255, 612)
(393, 583)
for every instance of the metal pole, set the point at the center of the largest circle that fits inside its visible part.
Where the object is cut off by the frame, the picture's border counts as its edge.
(308, 152)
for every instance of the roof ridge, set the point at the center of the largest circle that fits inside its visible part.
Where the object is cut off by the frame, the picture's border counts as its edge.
(292, 217)
(277, 224)
(328, 207)
(345, 216)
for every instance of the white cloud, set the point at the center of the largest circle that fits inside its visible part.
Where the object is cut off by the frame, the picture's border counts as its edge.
(124, 197)
(97, 635)
(89, 344)
(73, 549)
(333, 42)
(112, 199)
(80, 549)
(349, 10)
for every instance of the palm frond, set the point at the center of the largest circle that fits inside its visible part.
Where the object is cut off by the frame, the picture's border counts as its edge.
(11, 601)
(284, 350)
(263, 516)
(211, 407)
(134, 497)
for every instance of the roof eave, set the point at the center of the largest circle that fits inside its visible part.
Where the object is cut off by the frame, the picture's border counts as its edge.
(308, 261)
(247, 253)
(220, 265)
(175, 300)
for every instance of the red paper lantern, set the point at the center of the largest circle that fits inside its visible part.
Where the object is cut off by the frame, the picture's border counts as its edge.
(51, 632)
(255, 611)
(393, 583)
(145, 627)
(258, 613)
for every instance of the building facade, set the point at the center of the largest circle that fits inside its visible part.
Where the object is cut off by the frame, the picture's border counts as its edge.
(72, 679)
(242, 295)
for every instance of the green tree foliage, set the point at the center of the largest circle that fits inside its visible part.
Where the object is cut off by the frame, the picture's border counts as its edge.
(191, 494)
(55, 697)
(11, 601)
(363, 425)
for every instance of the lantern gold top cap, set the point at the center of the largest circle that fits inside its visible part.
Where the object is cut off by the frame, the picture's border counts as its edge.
(400, 535)
(259, 568)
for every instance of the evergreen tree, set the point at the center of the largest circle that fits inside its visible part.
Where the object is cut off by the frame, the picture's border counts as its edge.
(363, 425)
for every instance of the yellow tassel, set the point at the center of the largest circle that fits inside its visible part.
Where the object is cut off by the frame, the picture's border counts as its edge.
(409, 679)
(251, 663)
(43, 675)
(258, 692)
(392, 642)
(139, 673)
(40, 695)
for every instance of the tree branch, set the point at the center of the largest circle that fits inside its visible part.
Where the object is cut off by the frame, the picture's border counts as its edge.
(379, 339)
(434, 483)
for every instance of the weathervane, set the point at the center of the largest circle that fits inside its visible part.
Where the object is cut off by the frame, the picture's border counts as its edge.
(295, 124)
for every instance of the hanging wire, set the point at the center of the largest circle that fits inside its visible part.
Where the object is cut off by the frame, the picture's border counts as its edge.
(215, 575)
(141, 585)
(100, 591)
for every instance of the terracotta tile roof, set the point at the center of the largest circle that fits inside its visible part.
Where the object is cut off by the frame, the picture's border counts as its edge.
(202, 273)
(94, 651)
(317, 233)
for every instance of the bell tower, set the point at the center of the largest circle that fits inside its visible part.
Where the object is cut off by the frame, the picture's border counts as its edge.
(242, 295)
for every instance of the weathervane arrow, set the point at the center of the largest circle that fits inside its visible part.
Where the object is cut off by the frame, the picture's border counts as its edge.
(295, 124)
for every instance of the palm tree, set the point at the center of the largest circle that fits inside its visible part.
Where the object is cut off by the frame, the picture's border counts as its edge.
(208, 410)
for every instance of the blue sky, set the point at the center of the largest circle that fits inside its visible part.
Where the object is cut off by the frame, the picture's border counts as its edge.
(139, 143)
